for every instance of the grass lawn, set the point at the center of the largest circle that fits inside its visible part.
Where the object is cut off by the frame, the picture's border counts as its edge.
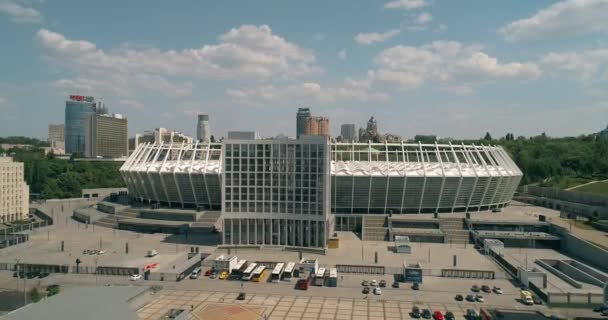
(597, 187)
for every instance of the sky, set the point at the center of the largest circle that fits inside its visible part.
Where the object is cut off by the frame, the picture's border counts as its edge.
(451, 68)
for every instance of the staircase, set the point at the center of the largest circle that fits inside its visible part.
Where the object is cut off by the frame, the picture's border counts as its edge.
(207, 221)
(454, 230)
(374, 228)
(110, 220)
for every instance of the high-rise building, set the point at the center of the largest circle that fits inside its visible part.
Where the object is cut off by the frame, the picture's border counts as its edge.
(281, 196)
(78, 110)
(316, 126)
(14, 192)
(107, 136)
(243, 135)
(303, 114)
(202, 128)
(56, 136)
(162, 135)
(348, 132)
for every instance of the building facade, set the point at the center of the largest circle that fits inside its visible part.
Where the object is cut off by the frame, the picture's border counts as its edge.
(162, 135)
(276, 192)
(78, 110)
(316, 126)
(56, 136)
(14, 192)
(202, 129)
(348, 132)
(243, 135)
(107, 136)
(302, 115)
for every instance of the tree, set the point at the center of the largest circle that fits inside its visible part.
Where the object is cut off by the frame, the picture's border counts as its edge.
(212, 139)
(35, 295)
(488, 137)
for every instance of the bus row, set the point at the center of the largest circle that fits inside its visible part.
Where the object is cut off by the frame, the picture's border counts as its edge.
(322, 277)
(258, 272)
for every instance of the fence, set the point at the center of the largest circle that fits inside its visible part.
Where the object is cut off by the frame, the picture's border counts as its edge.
(345, 268)
(570, 298)
(503, 263)
(468, 274)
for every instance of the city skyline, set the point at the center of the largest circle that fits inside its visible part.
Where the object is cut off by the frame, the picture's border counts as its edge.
(419, 67)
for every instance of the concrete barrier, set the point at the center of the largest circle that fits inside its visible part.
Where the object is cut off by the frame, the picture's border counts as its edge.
(558, 273)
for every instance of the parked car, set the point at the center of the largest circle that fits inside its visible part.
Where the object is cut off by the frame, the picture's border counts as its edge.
(43, 275)
(470, 298)
(486, 289)
(365, 290)
(537, 300)
(416, 286)
(449, 316)
(600, 309)
(100, 252)
(415, 312)
(475, 288)
(426, 313)
(195, 273)
(213, 275)
(479, 298)
(136, 277)
(497, 290)
(365, 283)
(152, 253)
(208, 272)
(374, 283)
(471, 314)
(377, 291)
(459, 297)
(395, 284)
(223, 275)
(241, 296)
(382, 283)
(437, 315)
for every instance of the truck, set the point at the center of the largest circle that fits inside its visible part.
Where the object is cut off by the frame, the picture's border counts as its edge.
(526, 297)
(152, 253)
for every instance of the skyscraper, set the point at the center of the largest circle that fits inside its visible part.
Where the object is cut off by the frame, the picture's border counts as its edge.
(316, 126)
(77, 112)
(202, 128)
(348, 132)
(303, 114)
(107, 136)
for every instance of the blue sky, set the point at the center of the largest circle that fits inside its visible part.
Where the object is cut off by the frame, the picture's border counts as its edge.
(452, 68)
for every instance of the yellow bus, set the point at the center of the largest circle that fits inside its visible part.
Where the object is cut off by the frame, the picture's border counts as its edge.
(259, 274)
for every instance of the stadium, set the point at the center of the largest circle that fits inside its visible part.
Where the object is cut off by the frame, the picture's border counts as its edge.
(365, 178)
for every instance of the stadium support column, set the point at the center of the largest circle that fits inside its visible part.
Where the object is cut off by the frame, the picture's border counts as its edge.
(190, 175)
(369, 161)
(423, 181)
(485, 190)
(177, 185)
(442, 180)
(161, 174)
(152, 184)
(461, 176)
(388, 177)
(205, 173)
(497, 164)
(471, 163)
(406, 159)
(352, 185)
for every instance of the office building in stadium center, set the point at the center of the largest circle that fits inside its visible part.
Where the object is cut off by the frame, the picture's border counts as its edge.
(294, 193)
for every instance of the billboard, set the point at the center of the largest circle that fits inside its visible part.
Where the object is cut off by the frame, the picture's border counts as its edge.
(82, 98)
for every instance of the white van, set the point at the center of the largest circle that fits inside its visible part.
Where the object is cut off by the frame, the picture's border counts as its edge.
(195, 273)
(152, 253)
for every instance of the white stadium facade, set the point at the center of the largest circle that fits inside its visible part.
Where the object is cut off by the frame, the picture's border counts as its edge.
(294, 193)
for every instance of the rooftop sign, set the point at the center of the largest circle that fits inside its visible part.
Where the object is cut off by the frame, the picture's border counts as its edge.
(81, 98)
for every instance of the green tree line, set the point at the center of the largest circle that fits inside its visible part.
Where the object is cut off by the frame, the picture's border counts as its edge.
(51, 177)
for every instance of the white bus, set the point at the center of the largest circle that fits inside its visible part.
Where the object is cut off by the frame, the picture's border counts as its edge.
(277, 272)
(333, 277)
(258, 273)
(247, 273)
(288, 272)
(239, 268)
(320, 277)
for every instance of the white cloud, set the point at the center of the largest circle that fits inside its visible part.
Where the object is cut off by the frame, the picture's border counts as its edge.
(405, 4)
(585, 65)
(19, 12)
(563, 18)
(371, 37)
(424, 18)
(342, 54)
(308, 92)
(455, 67)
